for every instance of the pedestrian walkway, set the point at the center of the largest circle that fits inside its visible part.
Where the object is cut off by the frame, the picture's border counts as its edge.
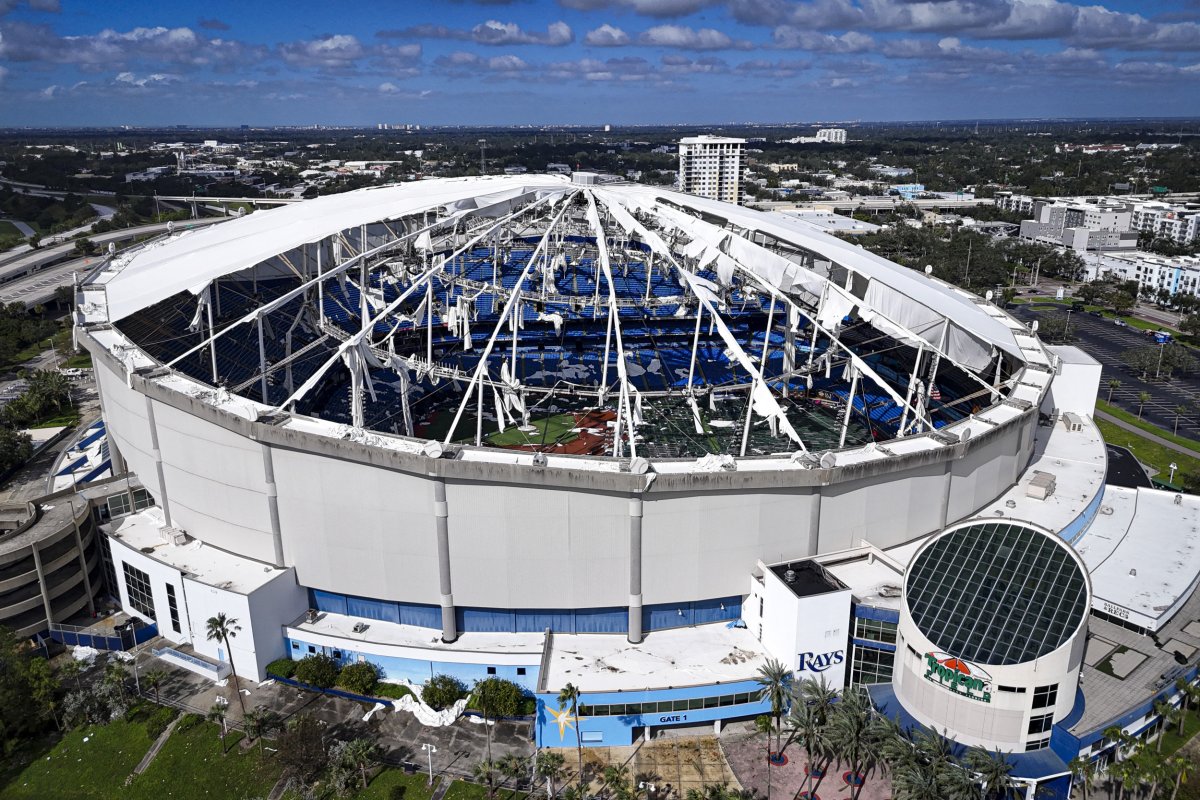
(1167, 443)
(154, 748)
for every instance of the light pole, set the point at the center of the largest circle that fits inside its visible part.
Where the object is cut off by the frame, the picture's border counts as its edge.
(1067, 327)
(1161, 345)
(1173, 467)
(430, 749)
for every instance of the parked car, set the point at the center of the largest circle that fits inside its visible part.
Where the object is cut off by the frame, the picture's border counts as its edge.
(1120, 323)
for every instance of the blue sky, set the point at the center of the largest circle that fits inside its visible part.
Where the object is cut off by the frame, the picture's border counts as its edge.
(137, 62)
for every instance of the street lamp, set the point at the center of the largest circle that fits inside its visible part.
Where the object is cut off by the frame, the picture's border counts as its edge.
(1161, 346)
(648, 788)
(1173, 467)
(430, 749)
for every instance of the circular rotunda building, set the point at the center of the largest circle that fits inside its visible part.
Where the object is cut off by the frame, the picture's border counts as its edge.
(993, 627)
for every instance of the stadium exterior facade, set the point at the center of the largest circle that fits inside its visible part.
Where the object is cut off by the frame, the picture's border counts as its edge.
(428, 554)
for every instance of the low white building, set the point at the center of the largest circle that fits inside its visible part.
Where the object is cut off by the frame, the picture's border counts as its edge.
(1176, 274)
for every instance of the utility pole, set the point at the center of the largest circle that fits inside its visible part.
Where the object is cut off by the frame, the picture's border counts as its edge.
(482, 159)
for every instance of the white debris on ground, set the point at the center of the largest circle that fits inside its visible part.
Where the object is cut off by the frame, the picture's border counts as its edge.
(714, 462)
(426, 715)
(371, 713)
(122, 655)
(85, 655)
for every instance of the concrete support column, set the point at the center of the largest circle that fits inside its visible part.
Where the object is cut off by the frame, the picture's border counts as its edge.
(273, 503)
(646, 734)
(716, 727)
(947, 485)
(87, 580)
(635, 571)
(814, 523)
(37, 564)
(163, 501)
(442, 518)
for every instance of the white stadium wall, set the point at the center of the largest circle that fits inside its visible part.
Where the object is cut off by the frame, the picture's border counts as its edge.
(354, 522)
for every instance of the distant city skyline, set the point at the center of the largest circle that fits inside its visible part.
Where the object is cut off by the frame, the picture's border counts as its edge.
(592, 62)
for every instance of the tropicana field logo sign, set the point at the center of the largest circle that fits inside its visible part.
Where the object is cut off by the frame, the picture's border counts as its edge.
(960, 677)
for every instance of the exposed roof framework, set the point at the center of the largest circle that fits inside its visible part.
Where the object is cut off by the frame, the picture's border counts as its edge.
(745, 304)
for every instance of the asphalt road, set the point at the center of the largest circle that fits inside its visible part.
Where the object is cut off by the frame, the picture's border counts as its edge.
(1105, 341)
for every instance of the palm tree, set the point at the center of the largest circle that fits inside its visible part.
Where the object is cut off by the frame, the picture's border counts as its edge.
(512, 767)
(549, 765)
(1182, 767)
(221, 629)
(820, 695)
(855, 735)
(362, 754)
(1143, 398)
(570, 696)
(485, 772)
(1168, 715)
(1113, 385)
(1180, 410)
(257, 722)
(153, 679)
(775, 680)
(762, 723)
(616, 781)
(1083, 770)
(993, 770)
(804, 726)
(1188, 692)
(217, 714)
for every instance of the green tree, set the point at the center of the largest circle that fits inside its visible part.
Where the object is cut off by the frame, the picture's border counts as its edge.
(763, 724)
(1180, 410)
(1083, 772)
(496, 697)
(442, 691)
(854, 734)
(485, 772)
(153, 679)
(549, 765)
(570, 696)
(302, 750)
(218, 713)
(1143, 398)
(616, 781)
(45, 688)
(361, 754)
(1183, 767)
(774, 680)
(513, 767)
(221, 629)
(258, 722)
(1113, 385)
(360, 677)
(993, 769)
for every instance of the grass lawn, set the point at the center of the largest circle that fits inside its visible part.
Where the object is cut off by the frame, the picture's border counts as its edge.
(549, 430)
(8, 229)
(1132, 419)
(66, 419)
(461, 790)
(394, 783)
(75, 768)
(1172, 741)
(1150, 453)
(191, 765)
(79, 361)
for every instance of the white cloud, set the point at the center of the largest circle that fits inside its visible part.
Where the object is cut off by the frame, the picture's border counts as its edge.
(687, 38)
(494, 32)
(335, 52)
(649, 8)
(606, 36)
(507, 63)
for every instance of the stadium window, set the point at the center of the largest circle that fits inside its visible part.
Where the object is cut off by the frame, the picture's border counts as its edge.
(141, 499)
(1013, 689)
(1045, 696)
(118, 505)
(1041, 723)
(520, 670)
(491, 670)
(137, 587)
(1037, 744)
(173, 608)
(295, 645)
(312, 649)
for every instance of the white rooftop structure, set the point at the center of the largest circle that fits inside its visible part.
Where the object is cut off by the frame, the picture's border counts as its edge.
(1143, 552)
(696, 656)
(203, 563)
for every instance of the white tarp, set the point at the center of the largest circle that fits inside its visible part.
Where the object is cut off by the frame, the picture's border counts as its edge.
(193, 259)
